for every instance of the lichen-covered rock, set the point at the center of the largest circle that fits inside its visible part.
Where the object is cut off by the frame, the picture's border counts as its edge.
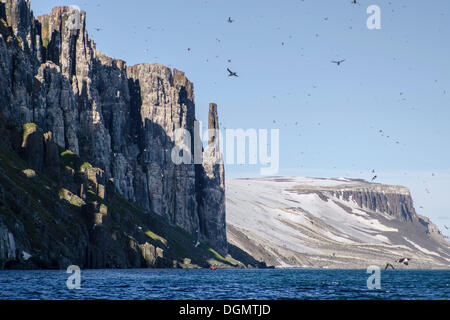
(33, 145)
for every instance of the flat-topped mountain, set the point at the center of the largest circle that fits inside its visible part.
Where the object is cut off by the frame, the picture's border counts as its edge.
(331, 223)
(344, 184)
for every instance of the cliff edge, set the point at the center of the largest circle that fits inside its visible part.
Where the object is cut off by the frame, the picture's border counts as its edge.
(94, 130)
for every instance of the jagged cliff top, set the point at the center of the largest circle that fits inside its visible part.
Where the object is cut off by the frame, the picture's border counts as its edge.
(160, 69)
(59, 10)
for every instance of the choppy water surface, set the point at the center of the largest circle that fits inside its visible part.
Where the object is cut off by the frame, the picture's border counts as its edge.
(225, 284)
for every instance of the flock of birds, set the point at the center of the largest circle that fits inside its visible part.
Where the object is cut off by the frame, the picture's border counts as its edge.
(338, 63)
(234, 74)
(230, 20)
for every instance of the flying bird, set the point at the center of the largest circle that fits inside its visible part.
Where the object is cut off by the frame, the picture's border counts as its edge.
(445, 227)
(404, 261)
(231, 73)
(388, 265)
(373, 179)
(355, 2)
(338, 62)
(229, 20)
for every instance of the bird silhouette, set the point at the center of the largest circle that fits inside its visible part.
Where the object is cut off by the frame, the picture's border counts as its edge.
(404, 261)
(388, 265)
(231, 73)
(338, 62)
(229, 20)
(374, 178)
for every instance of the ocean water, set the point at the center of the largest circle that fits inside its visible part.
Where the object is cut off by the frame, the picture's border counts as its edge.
(264, 284)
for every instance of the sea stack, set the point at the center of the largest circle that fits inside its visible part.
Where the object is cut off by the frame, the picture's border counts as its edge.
(212, 200)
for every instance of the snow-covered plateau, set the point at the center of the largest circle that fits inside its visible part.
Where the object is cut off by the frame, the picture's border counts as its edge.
(331, 223)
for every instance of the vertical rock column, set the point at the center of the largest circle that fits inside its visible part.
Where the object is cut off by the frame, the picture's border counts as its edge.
(212, 189)
(20, 18)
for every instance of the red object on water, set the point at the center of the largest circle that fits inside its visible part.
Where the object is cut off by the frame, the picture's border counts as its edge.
(213, 268)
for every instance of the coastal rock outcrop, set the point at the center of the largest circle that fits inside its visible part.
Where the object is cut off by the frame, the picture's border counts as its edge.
(212, 187)
(58, 93)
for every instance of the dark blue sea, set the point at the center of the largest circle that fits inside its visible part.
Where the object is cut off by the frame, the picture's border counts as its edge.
(224, 285)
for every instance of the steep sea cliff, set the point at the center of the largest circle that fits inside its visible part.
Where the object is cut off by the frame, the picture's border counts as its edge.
(92, 131)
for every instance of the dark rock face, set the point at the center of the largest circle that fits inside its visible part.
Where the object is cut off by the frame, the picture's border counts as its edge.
(166, 104)
(120, 119)
(33, 146)
(212, 188)
(393, 200)
(398, 205)
(51, 155)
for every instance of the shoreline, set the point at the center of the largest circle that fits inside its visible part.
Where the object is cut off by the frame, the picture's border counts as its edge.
(219, 268)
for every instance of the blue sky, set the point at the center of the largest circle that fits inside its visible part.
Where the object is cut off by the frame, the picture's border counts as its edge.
(396, 79)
